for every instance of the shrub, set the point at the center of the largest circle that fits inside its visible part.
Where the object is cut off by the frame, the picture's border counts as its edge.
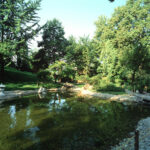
(62, 72)
(14, 75)
(104, 84)
(83, 78)
(44, 75)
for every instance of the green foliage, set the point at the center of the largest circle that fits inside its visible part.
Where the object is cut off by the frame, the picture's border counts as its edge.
(61, 71)
(44, 75)
(13, 75)
(21, 86)
(117, 56)
(82, 55)
(123, 43)
(52, 46)
(83, 78)
(30, 85)
(18, 25)
(6, 48)
(104, 84)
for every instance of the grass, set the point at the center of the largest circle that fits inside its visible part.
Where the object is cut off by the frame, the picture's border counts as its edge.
(80, 85)
(34, 85)
(29, 86)
(113, 92)
(21, 80)
(20, 86)
(14, 75)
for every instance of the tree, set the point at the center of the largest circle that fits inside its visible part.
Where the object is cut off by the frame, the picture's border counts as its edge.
(28, 29)
(52, 46)
(81, 54)
(5, 27)
(124, 42)
(17, 19)
(61, 71)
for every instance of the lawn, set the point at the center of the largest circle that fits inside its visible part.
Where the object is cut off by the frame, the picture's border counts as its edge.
(29, 86)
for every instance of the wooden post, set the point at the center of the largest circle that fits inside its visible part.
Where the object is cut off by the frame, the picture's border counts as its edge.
(136, 144)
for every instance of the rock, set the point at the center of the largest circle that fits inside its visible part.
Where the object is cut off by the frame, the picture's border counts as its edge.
(42, 90)
(88, 87)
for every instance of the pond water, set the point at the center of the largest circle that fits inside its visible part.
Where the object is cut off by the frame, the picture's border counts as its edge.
(59, 121)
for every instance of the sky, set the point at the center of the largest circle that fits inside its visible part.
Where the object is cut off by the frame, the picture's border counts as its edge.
(77, 16)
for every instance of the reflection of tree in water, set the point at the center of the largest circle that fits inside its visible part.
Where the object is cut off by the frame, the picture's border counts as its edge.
(56, 102)
(12, 113)
(72, 123)
(81, 125)
(28, 119)
(31, 134)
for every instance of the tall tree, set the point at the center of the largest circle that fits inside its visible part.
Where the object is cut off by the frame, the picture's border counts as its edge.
(5, 27)
(17, 18)
(82, 55)
(28, 29)
(52, 46)
(125, 43)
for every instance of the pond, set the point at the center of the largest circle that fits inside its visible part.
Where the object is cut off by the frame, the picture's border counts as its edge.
(59, 121)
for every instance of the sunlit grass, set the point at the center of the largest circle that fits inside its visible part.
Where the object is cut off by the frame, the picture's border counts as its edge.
(113, 92)
(29, 86)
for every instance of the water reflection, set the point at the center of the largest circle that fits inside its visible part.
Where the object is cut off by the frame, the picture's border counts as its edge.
(42, 95)
(28, 119)
(56, 102)
(12, 113)
(31, 134)
(66, 122)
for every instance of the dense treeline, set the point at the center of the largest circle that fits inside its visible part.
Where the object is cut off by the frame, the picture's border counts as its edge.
(117, 57)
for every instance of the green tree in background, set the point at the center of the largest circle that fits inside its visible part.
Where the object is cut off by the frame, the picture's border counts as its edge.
(81, 53)
(62, 72)
(52, 46)
(125, 44)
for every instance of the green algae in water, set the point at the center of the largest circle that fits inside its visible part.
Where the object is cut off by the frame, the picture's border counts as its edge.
(59, 121)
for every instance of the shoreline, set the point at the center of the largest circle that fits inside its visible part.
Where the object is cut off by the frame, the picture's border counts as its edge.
(107, 96)
(79, 91)
(143, 128)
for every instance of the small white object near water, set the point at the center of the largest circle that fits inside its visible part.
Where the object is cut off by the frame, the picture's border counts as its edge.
(2, 87)
(42, 90)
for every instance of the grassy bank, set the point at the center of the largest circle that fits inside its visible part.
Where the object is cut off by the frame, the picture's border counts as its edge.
(29, 86)
(13, 75)
(22, 80)
(113, 92)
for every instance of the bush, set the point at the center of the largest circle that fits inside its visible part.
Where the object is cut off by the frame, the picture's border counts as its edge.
(104, 84)
(44, 75)
(14, 75)
(83, 78)
(62, 72)
(110, 87)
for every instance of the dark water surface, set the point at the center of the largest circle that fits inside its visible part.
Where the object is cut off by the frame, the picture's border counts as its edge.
(66, 122)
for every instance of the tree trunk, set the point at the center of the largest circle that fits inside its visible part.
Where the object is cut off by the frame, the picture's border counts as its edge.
(133, 81)
(1, 55)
